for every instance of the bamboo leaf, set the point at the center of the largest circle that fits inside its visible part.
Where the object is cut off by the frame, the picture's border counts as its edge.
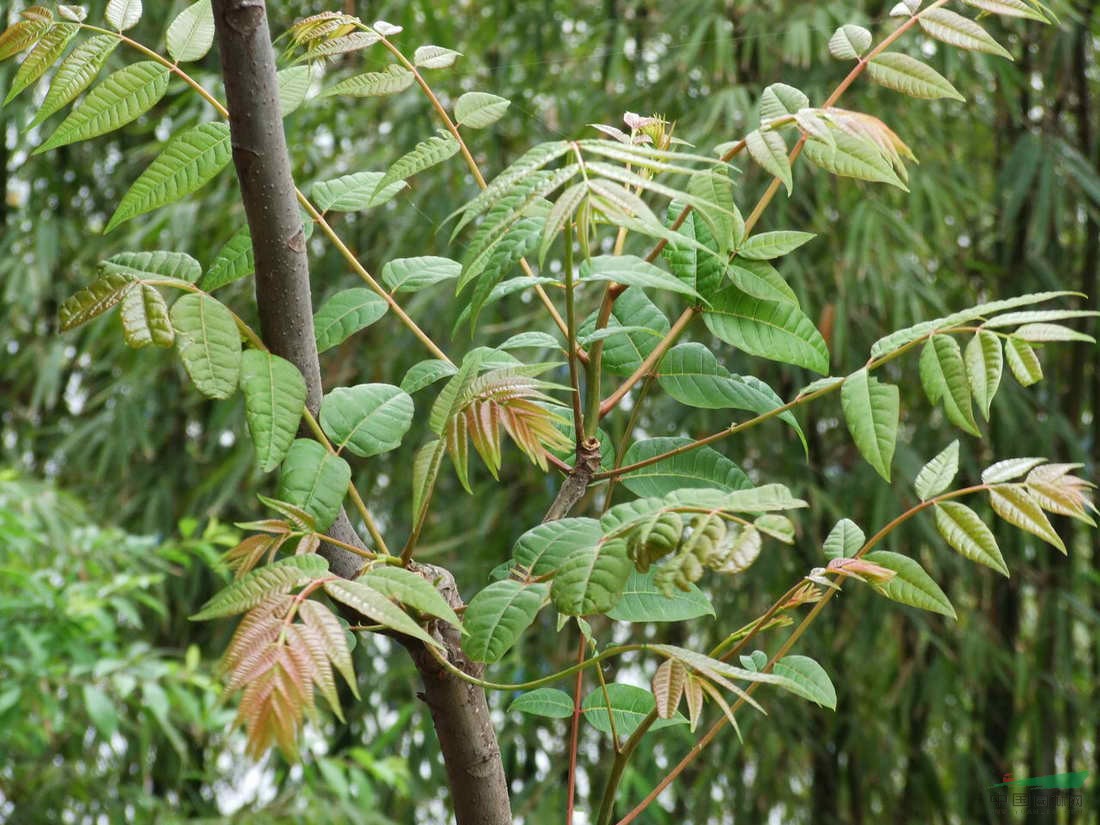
(346, 313)
(75, 74)
(145, 318)
(910, 76)
(209, 344)
(968, 535)
(190, 160)
(120, 98)
(376, 607)
(912, 585)
(591, 579)
(958, 31)
(1014, 505)
(497, 616)
(272, 579)
(479, 109)
(274, 399)
(315, 480)
(367, 419)
(191, 33)
(871, 411)
(937, 475)
(768, 329)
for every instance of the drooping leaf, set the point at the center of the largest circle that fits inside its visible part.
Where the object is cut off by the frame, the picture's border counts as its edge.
(426, 373)
(479, 109)
(411, 590)
(766, 246)
(426, 465)
(497, 616)
(75, 74)
(910, 76)
(272, 579)
(1023, 363)
(274, 399)
(808, 679)
(315, 480)
(549, 702)
(984, 365)
(120, 98)
(190, 160)
(844, 540)
(191, 33)
(145, 318)
(391, 80)
(937, 475)
(424, 155)
(852, 157)
(234, 261)
(293, 87)
(943, 375)
(543, 548)
(1017, 507)
(871, 411)
(591, 579)
(94, 300)
(668, 687)
(643, 601)
(912, 585)
(414, 274)
(367, 419)
(768, 329)
(346, 313)
(967, 534)
(376, 607)
(624, 354)
(779, 100)
(704, 467)
(152, 265)
(41, 58)
(632, 271)
(209, 344)
(958, 31)
(354, 192)
(769, 149)
(629, 705)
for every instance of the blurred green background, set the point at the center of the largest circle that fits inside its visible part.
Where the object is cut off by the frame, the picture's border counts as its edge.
(119, 484)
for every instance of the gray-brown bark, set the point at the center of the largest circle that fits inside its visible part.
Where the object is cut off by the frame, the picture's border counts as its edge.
(459, 710)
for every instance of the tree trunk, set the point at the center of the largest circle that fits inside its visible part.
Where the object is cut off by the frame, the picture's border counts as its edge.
(459, 710)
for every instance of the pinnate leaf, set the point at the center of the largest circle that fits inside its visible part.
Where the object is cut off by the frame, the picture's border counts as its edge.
(871, 411)
(123, 14)
(497, 616)
(209, 344)
(271, 579)
(414, 274)
(769, 149)
(191, 33)
(145, 318)
(234, 261)
(314, 480)
(703, 467)
(629, 705)
(937, 475)
(376, 607)
(391, 80)
(958, 31)
(155, 264)
(411, 590)
(768, 245)
(274, 399)
(643, 601)
(367, 419)
(912, 585)
(968, 535)
(1022, 361)
(849, 42)
(94, 300)
(346, 313)
(984, 366)
(549, 702)
(591, 579)
(479, 109)
(943, 375)
(632, 271)
(844, 540)
(910, 76)
(41, 58)
(543, 548)
(1014, 505)
(769, 329)
(75, 74)
(434, 57)
(354, 192)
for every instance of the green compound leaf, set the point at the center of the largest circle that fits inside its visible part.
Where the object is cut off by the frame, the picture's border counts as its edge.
(849, 42)
(769, 149)
(912, 585)
(425, 373)
(424, 155)
(315, 480)
(293, 87)
(41, 58)
(632, 271)
(844, 540)
(851, 157)
(871, 411)
(629, 706)
(191, 34)
(1023, 363)
(967, 534)
(154, 264)
(411, 590)
(543, 548)
(767, 246)
(209, 344)
(806, 678)
(373, 84)
(497, 616)
(937, 475)
(943, 375)
(425, 470)
(704, 467)
(768, 329)
(234, 261)
(984, 367)
(145, 318)
(270, 580)
(75, 74)
(958, 31)
(591, 579)
(779, 99)
(94, 300)
(435, 57)
(25, 33)
(191, 159)
(1014, 505)
(345, 314)
(414, 274)
(642, 601)
(274, 399)
(376, 607)
(120, 98)
(1008, 8)
(123, 14)
(911, 77)
(479, 109)
(549, 702)
(354, 192)
(367, 419)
